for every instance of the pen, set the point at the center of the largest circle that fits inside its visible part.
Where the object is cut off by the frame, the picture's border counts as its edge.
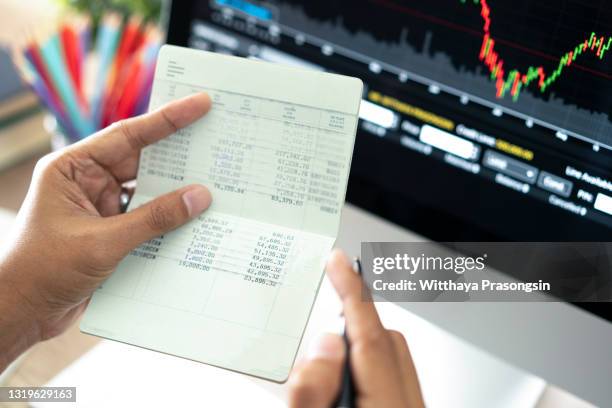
(346, 397)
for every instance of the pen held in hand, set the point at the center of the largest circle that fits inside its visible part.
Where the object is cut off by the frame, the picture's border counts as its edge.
(347, 395)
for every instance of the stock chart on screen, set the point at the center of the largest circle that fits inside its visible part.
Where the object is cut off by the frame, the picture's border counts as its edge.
(491, 111)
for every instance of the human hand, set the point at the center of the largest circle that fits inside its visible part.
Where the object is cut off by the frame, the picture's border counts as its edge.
(381, 364)
(70, 233)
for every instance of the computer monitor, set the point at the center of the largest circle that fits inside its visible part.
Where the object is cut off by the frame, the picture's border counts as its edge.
(481, 120)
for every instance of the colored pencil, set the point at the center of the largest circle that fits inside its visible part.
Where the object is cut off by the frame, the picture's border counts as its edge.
(51, 54)
(38, 85)
(54, 65)
(121, 66)
(136, 83)
(32, 55)
(70, 46)
(142, 103)
(108, 37)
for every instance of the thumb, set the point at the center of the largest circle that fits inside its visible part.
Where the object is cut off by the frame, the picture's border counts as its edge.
(315, 382)
(160, 215)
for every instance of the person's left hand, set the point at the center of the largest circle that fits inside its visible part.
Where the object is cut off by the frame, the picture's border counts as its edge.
(70, 234)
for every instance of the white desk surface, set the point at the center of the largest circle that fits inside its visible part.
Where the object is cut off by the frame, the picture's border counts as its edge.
(452, 373)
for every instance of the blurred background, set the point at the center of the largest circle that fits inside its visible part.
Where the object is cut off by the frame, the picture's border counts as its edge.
(149, 9)
(23, 111)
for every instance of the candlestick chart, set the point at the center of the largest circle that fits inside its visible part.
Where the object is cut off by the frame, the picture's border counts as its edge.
(547, 59)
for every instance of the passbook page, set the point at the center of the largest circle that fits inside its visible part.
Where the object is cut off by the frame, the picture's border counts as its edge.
(234, 287)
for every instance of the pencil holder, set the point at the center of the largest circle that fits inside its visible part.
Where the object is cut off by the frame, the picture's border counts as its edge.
(87, 82)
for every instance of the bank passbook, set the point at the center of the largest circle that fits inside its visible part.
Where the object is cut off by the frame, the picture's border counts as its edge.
(234, 288)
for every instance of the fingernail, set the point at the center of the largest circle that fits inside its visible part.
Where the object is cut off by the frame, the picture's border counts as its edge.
(328, 346)
(197, 199)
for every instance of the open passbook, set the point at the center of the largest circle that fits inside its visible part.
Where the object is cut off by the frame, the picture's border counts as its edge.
(234, 287)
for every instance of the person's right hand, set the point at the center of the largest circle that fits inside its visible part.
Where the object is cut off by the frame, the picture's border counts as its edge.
(382, 368)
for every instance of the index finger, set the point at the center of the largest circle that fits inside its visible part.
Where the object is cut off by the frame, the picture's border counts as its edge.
(124, 139)
(360, 315)
(373, 359)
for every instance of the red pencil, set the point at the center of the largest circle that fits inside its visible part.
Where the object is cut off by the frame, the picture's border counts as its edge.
(33, 50)
(114, 94)
(137, 76)
(141, 85)
(129, 39)
(130, 91)
(122, 59)
(33, 53)
(72, 52)
(69, 46)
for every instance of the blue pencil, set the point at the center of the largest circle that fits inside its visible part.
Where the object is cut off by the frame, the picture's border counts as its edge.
(39, 87)
(106, 45)
(51, 53)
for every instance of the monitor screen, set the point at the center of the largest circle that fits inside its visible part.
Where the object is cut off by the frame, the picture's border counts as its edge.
(480, 120)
